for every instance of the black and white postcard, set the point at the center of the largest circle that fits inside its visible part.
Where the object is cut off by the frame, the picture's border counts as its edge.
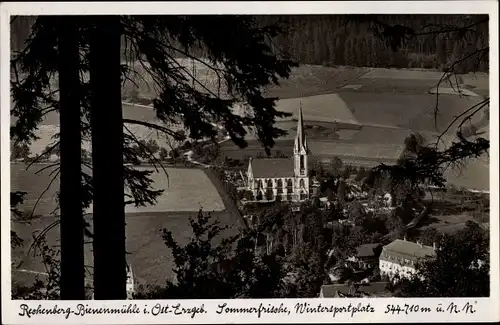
(248, 162)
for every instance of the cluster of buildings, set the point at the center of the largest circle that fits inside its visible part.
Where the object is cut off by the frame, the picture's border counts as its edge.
(288, 180)
(397, 259)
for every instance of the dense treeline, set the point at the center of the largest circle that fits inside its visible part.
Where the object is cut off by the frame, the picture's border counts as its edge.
(340, 40)
(344, 40)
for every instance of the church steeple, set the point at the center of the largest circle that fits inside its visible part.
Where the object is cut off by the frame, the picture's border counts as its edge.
(300, 146)
(300, 149)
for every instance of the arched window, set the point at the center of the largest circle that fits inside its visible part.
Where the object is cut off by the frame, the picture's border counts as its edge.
(269, 194)
(301, 163)
(301, 183)
(259, 184)
(270, 183)
(259, 195)
(303, 196)
(279, 186)
(289, 189)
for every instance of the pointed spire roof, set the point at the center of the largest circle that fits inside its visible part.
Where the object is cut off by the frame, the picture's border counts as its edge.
(300, 140)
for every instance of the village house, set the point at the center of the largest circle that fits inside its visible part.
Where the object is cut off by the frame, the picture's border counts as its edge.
(367, 256)
(284, 179)
(400, 257)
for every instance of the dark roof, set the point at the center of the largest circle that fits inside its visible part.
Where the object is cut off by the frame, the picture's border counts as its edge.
(272, 168)
(367, 250)
(406, 250)
(370, 289)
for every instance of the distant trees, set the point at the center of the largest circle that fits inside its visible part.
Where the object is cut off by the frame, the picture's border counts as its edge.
(361, 174)
(341, 190)
(20, 151)
(430, 236)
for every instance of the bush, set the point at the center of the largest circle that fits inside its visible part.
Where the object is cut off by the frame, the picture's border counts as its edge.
(20, 151)
(163, 154)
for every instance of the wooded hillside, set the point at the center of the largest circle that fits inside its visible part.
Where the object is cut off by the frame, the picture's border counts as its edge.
(341, 40)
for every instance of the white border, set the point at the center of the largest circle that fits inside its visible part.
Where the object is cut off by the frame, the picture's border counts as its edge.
(487, 308)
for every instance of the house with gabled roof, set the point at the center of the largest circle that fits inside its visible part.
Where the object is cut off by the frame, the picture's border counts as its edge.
(400, 258)
(366, 255)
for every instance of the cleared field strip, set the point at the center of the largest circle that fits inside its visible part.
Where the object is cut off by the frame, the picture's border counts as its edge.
(402, 74)
(415, 112)
(453, 91)
(186, 189)
(364, 151)
(46, 134)
(321, 108)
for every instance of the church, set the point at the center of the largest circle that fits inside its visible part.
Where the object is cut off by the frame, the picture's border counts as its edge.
(284, 179)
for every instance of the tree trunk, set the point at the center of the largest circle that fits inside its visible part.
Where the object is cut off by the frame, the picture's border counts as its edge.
(107, 160)
(72, 254)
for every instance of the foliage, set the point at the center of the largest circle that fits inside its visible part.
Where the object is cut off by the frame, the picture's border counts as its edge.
(230, 269)
(48, 288)
(430, 236)
(16, 199)
(361, 174)
(460, 269)
(342, 190)
(20, 151)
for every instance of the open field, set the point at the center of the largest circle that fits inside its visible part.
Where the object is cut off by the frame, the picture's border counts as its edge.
(447, 90)
(46, 134)
(414, 74)
(150, 259)
(415, 112)
(186, 189)
(320, 108)
(320, 149)
(305, 80)
(186, 192)
(446, 223)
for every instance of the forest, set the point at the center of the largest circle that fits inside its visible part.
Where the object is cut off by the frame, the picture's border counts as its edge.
(340, 40)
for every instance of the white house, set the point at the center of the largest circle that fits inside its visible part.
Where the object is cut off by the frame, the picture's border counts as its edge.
(283, 178)
(401, 256)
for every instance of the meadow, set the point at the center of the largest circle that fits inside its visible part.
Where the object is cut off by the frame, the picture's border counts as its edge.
(186, 191)
(150, 259)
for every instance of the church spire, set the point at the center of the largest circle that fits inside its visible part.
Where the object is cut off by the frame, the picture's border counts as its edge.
(300, 139)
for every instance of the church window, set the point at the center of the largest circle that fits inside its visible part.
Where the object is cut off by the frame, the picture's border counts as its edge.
(259, 184)
(301, 163)
(280, 186)
(301, 183)
(269, 194)
(270, 183)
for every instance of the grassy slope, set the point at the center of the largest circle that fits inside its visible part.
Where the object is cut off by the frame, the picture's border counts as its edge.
(149, 257)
